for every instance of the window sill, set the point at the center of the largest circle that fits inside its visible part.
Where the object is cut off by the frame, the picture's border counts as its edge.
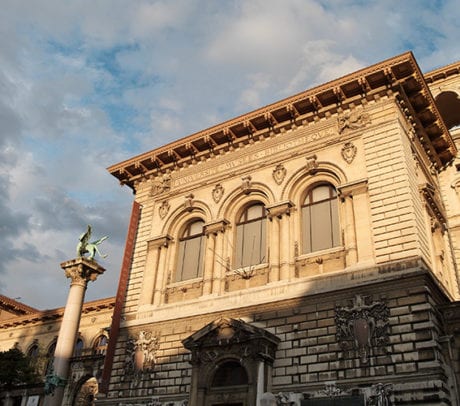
(327, 253)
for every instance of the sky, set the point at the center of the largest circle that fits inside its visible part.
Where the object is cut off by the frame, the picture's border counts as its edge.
(87, 84)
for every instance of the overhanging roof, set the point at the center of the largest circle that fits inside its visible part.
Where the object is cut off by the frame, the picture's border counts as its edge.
(399, 74)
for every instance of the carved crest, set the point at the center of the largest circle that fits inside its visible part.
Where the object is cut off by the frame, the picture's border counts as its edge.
(363, 326)
(279, 173)
(217, 193)
(163, 209)
(141, 353)
(348, 152)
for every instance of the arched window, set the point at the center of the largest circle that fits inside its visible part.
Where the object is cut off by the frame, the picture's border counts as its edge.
(100, 345)
(78, 350)
(50, 358)
(320, 219)
(191, 252)
(448, 104)
(33, 355)
(231, 373)
(251, 236)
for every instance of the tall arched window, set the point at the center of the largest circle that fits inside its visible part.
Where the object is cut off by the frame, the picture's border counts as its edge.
(50, 358)
(191, 252)
(100, 345)
(78, 350)
(251, 236)
(320, 219)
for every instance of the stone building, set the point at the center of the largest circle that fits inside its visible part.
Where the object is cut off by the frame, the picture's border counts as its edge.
(303, 252)
(35, 333)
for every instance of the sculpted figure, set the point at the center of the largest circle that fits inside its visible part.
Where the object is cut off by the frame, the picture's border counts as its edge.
(86, 247)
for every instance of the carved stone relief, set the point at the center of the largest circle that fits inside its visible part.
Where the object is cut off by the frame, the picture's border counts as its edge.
(162, 185)
(353, 120)
(279, 173)
(140, 355)
(348, 152)
(312, 164)
(246, 184)
(362, 326)
(163, 209)
(217, 193)
(188, 204)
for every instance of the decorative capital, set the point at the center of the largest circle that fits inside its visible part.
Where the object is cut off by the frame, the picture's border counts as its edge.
(279, 209)
(82, 270)
(216, 227)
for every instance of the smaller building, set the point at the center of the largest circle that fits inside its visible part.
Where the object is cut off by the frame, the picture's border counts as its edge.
(35, 333)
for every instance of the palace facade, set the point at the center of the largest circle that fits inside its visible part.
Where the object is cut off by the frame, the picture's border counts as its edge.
(304, 253)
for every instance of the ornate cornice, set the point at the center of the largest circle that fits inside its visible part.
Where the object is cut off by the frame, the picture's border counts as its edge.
(399, 75)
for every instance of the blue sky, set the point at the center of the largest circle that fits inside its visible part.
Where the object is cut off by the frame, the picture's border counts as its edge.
(86, 84)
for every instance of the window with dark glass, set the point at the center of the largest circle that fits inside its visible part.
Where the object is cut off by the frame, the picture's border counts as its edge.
(191, 252)
(320, 219)
(251, 237)
(78, 350)
(50, 358)
(230, 373)
(33, 355)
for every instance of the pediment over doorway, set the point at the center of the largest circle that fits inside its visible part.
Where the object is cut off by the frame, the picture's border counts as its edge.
(226, 336)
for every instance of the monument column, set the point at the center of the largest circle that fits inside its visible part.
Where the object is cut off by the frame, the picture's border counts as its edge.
(80, 271)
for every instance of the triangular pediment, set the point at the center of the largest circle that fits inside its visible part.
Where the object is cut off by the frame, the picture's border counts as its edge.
(225, 332)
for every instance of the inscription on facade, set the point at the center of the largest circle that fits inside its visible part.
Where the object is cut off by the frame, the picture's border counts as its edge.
(327, 133)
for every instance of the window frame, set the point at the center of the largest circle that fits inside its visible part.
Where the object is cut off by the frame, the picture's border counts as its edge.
(331, 204)
(186, 235)
(240, 236)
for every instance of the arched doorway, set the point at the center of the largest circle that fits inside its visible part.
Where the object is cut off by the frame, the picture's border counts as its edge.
(231, 360)
(87, 392)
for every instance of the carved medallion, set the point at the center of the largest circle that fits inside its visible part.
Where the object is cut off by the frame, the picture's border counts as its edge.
(163, 209)
(348, 152)
(363, 326)
(217, 193)
(279, 173)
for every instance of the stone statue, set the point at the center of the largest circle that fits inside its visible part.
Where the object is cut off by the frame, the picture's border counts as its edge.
(86, 247)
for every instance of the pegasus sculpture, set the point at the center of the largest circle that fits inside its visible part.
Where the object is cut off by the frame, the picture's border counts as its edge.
(85, 247)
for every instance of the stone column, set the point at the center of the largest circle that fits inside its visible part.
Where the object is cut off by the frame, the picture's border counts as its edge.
(280, 245)
(357, 213)
(80, 271)
(214, 262)
(162, 243)
(151, 269)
